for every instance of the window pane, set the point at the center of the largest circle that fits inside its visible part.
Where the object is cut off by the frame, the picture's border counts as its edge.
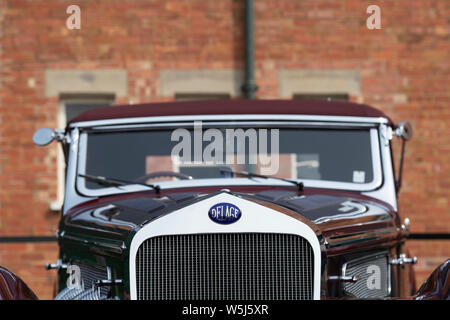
(342, 155)
(73, 109)
(325, 96)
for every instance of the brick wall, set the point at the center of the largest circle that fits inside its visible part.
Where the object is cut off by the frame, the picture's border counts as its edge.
(403, 69)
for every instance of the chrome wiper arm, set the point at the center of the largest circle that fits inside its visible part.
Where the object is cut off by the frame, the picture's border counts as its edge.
(255, 175)
(104, 181)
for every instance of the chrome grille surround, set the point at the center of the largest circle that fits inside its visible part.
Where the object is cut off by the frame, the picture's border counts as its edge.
(225, 266)
(361, 267)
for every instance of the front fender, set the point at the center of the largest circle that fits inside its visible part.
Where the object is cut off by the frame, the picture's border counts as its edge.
(13, 288)
(437, 285)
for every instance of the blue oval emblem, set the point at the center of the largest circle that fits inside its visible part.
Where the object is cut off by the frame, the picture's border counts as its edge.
(224, 213)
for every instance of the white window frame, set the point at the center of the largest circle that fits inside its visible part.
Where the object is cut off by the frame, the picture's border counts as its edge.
(361, 187)
(57, 204)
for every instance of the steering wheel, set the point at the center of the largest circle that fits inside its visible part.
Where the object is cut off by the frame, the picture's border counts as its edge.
(158, 174)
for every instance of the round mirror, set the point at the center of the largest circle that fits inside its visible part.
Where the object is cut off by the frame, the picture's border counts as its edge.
(404, 130)
(43, 136)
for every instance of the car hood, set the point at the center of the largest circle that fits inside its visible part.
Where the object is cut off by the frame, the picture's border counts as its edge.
(342, 219)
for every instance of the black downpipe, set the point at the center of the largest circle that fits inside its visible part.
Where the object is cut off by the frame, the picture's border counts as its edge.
(249, 88)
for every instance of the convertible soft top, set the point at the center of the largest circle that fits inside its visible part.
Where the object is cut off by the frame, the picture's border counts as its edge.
(297, 107)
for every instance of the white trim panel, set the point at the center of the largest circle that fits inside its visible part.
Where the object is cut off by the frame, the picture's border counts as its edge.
(256, 218)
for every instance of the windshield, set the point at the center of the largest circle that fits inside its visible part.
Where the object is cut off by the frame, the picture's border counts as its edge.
(154, 156)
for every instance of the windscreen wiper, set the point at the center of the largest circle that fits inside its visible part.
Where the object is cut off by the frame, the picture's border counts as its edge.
(113, 182)
(255, 175)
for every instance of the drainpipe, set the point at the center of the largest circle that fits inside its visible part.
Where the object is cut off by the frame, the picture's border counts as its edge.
(249, 88)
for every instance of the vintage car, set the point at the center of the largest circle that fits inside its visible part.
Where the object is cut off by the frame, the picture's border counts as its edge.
(240, 200)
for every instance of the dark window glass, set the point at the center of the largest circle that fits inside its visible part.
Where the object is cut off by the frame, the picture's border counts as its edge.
(326, 96)
(76, 108)
(342, 155)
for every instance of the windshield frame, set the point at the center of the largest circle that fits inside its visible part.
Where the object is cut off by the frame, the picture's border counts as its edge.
(372, 125)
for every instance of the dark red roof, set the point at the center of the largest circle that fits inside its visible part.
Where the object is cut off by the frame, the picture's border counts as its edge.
(298, 107)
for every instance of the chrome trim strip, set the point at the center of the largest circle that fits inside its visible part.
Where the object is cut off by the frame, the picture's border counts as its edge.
(253, 124)
(338, 242)
(209, 117)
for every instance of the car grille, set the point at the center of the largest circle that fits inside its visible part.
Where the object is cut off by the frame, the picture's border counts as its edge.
(90, 274)
(374, 277)
(87, 290)
(231, 266)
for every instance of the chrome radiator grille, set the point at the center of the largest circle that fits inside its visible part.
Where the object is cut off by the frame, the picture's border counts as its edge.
(231, 266)
(374, 277)
(90, 274)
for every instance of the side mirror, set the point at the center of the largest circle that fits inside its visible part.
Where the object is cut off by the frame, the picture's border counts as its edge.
(43, 136)
(404, 130)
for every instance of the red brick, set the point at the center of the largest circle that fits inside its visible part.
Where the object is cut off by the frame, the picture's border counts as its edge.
(409, 56)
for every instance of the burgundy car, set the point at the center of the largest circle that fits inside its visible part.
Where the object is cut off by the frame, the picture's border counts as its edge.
(234, 200)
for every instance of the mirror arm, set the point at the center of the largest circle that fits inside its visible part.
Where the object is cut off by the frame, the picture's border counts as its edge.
(65, 150)
(398, 183)
(60, 136)
(404, 131)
